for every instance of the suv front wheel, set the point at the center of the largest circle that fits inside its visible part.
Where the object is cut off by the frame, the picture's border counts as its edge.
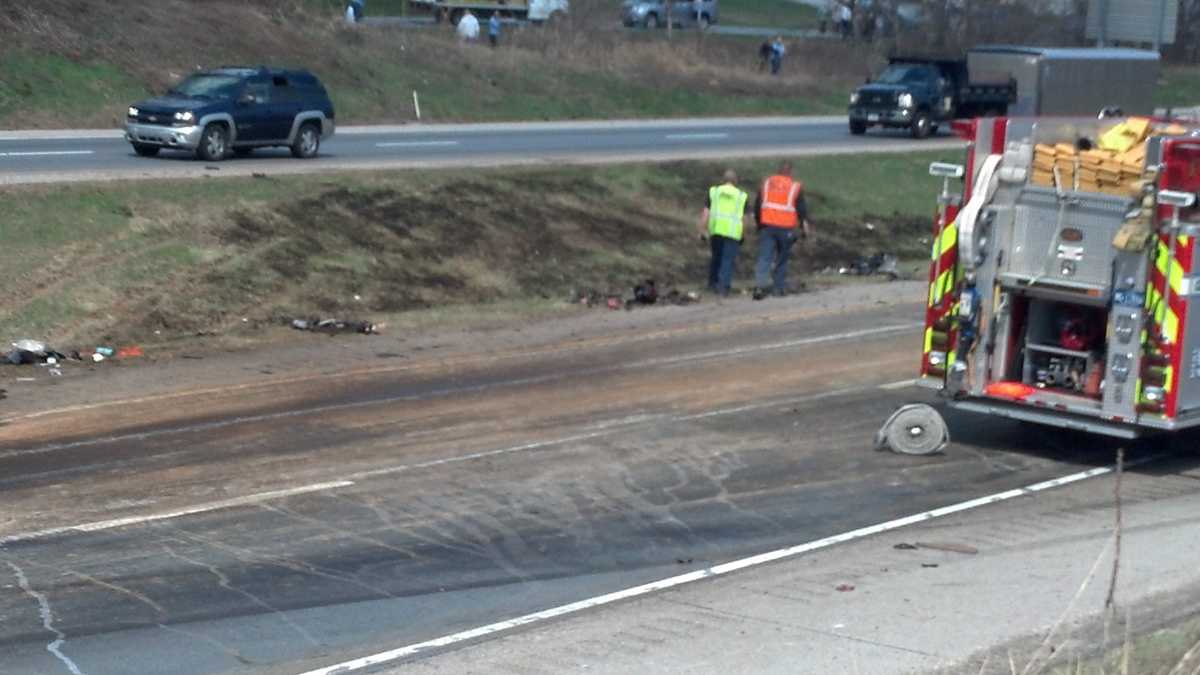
(308, 141)
(214, 143)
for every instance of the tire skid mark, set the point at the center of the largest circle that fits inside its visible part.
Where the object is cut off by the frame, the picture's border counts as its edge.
(252, 557)
(224, 582)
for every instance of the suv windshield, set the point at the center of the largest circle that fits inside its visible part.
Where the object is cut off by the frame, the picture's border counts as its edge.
(899, 74)
(208, 86)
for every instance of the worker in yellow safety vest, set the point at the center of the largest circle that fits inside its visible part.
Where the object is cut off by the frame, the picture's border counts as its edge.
(722, 223)
(782, 213)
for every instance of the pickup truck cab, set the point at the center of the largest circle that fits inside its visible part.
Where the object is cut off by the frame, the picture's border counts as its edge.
(232, 110)
(920, 94)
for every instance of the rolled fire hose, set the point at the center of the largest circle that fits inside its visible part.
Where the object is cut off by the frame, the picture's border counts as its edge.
(914, 429)
(981, 193)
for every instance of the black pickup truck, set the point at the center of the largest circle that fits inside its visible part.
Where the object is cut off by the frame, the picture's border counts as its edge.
(919, 94)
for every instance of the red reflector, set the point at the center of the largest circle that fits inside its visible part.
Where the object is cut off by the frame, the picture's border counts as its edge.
(1014, 391)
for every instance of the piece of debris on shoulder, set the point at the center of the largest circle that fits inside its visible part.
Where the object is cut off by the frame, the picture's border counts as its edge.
(844, 588)
(332, 326)
(950, 547)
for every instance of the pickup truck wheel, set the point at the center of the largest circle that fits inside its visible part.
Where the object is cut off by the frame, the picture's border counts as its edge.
(651, 20)
(214, 143)
(922, 126)
(858, 128)
(308, 141)
(144, 150)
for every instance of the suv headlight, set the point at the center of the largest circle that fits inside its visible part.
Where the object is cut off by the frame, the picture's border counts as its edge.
(132, 112)
(185, 117)
(905, 100)
(854, 98)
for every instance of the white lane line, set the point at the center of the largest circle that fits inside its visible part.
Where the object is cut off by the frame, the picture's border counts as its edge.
(415, 144)
(46, 153)
(902, 384)
(447, 391)
(97, 526)
(708, 573)
(696, 137)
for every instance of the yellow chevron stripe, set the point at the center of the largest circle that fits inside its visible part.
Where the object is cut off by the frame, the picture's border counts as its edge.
(1160, 262)
(941, 286)
(929, 339)
(1163, 315)
(947, 240)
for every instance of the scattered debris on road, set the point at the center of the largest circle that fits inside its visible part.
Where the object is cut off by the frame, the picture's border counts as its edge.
(844, 588)
(883, 264)
(332, 326)
(949, 547)
(25, 352)
(644, 293)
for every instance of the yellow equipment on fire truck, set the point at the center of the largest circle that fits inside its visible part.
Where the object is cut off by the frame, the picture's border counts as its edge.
(1061, 280)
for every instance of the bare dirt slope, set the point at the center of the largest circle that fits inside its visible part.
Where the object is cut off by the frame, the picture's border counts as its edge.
(226, 261)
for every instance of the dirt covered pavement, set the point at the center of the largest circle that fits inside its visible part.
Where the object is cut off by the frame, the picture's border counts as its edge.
(274, 510)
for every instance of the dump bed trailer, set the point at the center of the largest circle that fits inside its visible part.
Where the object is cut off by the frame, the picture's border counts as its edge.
(1063, 295)
(1069, 81)
(531, 10)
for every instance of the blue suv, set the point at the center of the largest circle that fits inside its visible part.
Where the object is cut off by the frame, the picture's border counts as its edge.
(234, 110)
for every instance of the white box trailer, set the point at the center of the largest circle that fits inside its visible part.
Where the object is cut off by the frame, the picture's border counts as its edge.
(1070, 81)
(531, 10)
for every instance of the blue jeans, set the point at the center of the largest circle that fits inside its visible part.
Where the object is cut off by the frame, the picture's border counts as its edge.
(720, 268)
(774, 249)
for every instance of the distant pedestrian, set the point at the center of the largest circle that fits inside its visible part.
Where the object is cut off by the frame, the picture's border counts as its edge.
(722, 223)
(764, 55)
(845, 20)
(468, 27)
(781, 212)
(777, 51)
(354, 10)
(494, 29)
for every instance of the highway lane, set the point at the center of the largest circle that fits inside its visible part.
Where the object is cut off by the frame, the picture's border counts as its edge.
(68, 154)
(424, 502)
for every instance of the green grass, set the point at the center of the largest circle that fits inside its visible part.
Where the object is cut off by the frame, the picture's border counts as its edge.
(1157, 652)
(774, 13)
(105, 61)
(86, 264)
(38, 84)
(1178, 87)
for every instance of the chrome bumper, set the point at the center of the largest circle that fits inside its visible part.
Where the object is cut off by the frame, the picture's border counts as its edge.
(886, 116)
(184, 138)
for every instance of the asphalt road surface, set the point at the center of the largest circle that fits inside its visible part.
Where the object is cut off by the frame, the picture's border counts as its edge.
(78, 155)
(287, 524)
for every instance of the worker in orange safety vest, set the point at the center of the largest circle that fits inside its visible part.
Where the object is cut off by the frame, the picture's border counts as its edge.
(782, 213)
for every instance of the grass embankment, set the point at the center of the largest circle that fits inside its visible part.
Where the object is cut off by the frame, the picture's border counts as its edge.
(70, 63)
(120, 262)
(1169, 651)
(773, 13)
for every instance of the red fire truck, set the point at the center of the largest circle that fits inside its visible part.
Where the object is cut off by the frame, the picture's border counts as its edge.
(1061, 279)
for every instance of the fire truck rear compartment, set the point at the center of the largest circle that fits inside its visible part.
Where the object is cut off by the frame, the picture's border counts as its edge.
(1061, 347)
